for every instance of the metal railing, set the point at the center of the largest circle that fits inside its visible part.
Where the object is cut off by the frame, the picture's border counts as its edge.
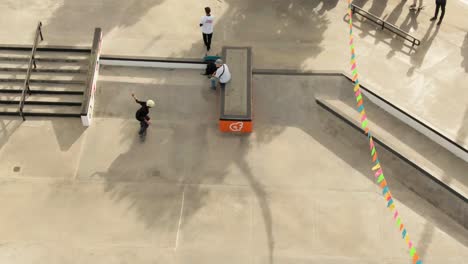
(32, 62)
(385, 25)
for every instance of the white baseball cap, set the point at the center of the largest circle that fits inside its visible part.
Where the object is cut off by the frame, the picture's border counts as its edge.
(150, 103)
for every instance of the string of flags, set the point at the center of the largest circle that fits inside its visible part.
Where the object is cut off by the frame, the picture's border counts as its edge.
(377, 168)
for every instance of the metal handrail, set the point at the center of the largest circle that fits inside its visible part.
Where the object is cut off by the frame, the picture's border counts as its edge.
(32, 62)
(385, 25)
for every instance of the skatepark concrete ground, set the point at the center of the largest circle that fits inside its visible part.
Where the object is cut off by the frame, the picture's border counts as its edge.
(297, 190)
(306, 35)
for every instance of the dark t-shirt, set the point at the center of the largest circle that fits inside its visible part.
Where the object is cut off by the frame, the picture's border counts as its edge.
(210, 68)
(142, 113)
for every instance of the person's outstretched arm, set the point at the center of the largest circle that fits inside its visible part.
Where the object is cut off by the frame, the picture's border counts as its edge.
(136, 99)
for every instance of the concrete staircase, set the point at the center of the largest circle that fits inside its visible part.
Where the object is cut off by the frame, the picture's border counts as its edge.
(57, 84)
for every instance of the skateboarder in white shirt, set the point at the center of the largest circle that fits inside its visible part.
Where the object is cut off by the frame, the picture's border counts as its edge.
(206, 24)
(222, 74)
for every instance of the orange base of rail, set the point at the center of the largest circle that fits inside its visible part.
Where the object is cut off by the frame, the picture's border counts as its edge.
(234, 126)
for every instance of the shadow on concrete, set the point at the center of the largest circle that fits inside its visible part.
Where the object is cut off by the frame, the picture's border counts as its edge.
(425, 240)
(395, 42)
(261, 196)
(268, 26)
(393, 17)
(137, 165)
(183, 146)
(377, 9)
(464, 53)
(462, 136)
(183, 149)
(105, 14)
(417, 58)
(8, 126)
(67, 133)
(360, 3)
(351, 146)
(328, 5)
(410, 22)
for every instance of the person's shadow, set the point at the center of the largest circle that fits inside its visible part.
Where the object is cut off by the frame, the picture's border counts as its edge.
(409, 23)
(377, 9)
(418, 57)
(464, 53)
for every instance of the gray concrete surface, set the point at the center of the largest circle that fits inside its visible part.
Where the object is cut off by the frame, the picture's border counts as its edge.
(446, 184)
(283, 34)
(297, 190)
(236, 92)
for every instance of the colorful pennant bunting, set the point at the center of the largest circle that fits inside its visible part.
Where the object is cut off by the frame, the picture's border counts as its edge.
(379, 175)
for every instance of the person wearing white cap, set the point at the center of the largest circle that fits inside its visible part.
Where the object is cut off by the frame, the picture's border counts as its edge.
(222, 74)
(142, 114)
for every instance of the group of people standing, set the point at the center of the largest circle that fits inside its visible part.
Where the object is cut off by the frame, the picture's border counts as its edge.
(440, 5)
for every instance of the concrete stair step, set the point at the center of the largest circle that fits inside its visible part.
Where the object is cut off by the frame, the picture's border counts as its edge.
(42, 88)
(46, 67)
(63, 99)
(48, 53)
(63, 58)
(44, 78)
(42, 110)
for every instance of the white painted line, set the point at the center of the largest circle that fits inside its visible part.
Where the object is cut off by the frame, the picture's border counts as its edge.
(180, 218)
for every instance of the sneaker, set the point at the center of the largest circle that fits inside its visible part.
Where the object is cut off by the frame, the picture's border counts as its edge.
(440, 22)
(434, 18)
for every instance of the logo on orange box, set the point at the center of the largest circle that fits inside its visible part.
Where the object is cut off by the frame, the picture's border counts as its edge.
(235, 126)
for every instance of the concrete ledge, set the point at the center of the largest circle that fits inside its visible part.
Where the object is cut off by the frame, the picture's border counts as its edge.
(167, 63)
(416, 123)
(236, 98)
(296, 72)
(87, 106)
(429, 186)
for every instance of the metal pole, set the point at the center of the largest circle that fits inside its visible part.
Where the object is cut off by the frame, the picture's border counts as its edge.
(40, 31)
